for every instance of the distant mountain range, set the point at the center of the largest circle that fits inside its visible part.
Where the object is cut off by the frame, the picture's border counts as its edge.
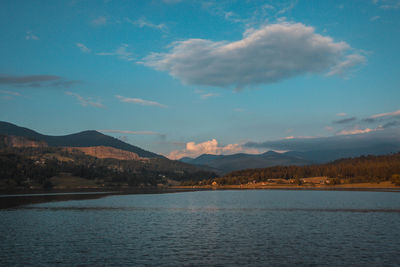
(235, 162)
(82, 139)
(228, 163)
(317, 151)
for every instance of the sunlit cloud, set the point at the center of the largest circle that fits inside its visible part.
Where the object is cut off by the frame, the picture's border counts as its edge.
(342, 114)
(359, 131)
(140, 101)
(267, 55)
(387, 114)
(210, 147)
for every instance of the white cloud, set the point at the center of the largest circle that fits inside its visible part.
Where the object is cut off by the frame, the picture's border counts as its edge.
(121, 52)
(394, 113)
(210, 147)
(85, 101)
(270, 54)
(99, 21)
(83, 48)
(145, 23)
(341, 114)
(350, 62)
(140, 101)
(30, 36)
(356, 130)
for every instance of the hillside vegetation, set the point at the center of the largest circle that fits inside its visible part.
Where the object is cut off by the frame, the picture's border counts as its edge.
(33, 167)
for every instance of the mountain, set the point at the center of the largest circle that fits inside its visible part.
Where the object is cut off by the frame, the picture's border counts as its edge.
(82, 139)
(228, 163)
(186, 159)
(327, 155)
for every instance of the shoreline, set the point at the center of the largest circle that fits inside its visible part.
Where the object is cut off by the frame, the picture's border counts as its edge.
(382, 186)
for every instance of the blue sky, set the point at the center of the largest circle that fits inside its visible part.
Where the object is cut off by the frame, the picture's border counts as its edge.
(186, 77)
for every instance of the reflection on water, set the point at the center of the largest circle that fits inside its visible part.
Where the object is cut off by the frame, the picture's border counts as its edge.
(207, 228)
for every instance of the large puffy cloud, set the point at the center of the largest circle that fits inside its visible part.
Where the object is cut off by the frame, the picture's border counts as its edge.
(269, 54)
(210, 147)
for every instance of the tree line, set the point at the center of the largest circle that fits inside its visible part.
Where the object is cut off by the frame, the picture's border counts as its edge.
(38, 165)
(350, 170)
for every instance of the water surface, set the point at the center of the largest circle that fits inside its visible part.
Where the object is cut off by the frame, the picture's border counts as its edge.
(252, 227)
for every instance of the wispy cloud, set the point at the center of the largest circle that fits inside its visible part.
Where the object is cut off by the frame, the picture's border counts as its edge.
(36, 81)
(5, 92)
(121, 52)
(83, 101)
(341, 114)
(388, 4)
(300, 137)
(30, 36)
(387, 114)
(24, 79)
(267, 55)
(142, 22)
(99, 21)
(356, 130)
(374, 18)
(210, 147)
(208, 95)
(346, 120)
(347, 64)
(8, 95)
(83, 48)
(205, 95)
(140, 101)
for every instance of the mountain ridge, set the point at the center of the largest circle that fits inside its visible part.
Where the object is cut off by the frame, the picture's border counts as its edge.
(88, 138)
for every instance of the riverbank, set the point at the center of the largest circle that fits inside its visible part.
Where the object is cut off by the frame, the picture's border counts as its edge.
(356, 186)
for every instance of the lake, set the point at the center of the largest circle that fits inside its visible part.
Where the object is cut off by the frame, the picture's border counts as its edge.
(248, 227)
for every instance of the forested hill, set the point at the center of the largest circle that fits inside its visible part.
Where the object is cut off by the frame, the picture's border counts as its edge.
(82, 139)
(350, 170)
